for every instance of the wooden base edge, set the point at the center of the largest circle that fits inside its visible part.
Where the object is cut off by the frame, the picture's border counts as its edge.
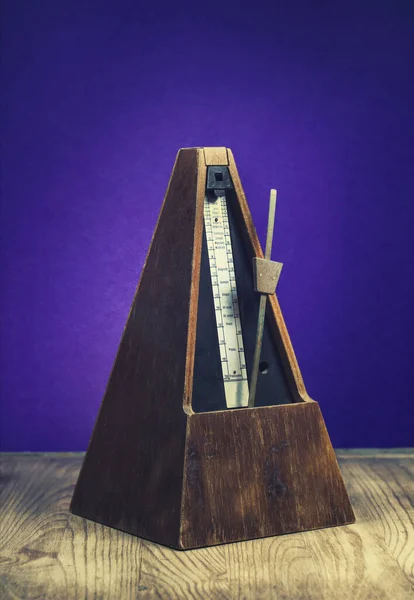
(257, 473)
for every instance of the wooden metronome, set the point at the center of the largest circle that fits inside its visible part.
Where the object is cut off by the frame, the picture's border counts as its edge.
(178, 454)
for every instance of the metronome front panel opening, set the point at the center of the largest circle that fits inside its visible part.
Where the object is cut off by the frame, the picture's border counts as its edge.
(209, 392)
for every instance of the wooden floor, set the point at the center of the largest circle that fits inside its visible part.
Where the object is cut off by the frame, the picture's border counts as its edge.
(46, 553)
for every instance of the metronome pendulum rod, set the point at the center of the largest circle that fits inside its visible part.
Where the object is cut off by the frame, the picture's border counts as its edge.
(263, 301)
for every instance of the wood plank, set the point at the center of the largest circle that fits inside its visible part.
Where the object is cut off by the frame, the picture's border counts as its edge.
(382, 493)
(99, 562)
(47, 553)
(34, 513)
(343, 562)
(173, 575)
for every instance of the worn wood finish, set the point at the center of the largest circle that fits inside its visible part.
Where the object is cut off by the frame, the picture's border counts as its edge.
(261, 472)
(46, 553)
(131, 478)
(149, 469)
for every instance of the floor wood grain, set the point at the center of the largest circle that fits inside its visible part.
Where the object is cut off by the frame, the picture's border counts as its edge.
(46, 553)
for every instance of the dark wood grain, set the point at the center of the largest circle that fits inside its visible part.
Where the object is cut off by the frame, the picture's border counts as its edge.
(156, 469)
(131, 478)
(261, 472)
(48, 554)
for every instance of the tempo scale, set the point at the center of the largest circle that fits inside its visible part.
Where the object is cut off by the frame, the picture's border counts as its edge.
(206, 433)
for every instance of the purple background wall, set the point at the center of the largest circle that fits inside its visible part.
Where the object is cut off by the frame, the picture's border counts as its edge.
(315, 98)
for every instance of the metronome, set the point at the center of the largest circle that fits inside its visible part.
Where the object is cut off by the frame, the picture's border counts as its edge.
(206, 433)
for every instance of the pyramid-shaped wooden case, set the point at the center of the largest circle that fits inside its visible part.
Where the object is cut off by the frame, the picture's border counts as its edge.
(167, 461)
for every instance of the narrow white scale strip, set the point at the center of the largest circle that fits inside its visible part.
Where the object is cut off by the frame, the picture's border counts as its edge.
(226, 303)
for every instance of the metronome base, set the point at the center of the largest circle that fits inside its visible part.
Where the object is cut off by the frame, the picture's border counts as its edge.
(246, 474)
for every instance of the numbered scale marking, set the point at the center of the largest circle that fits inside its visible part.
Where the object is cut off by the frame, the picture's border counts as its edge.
(226, 303)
